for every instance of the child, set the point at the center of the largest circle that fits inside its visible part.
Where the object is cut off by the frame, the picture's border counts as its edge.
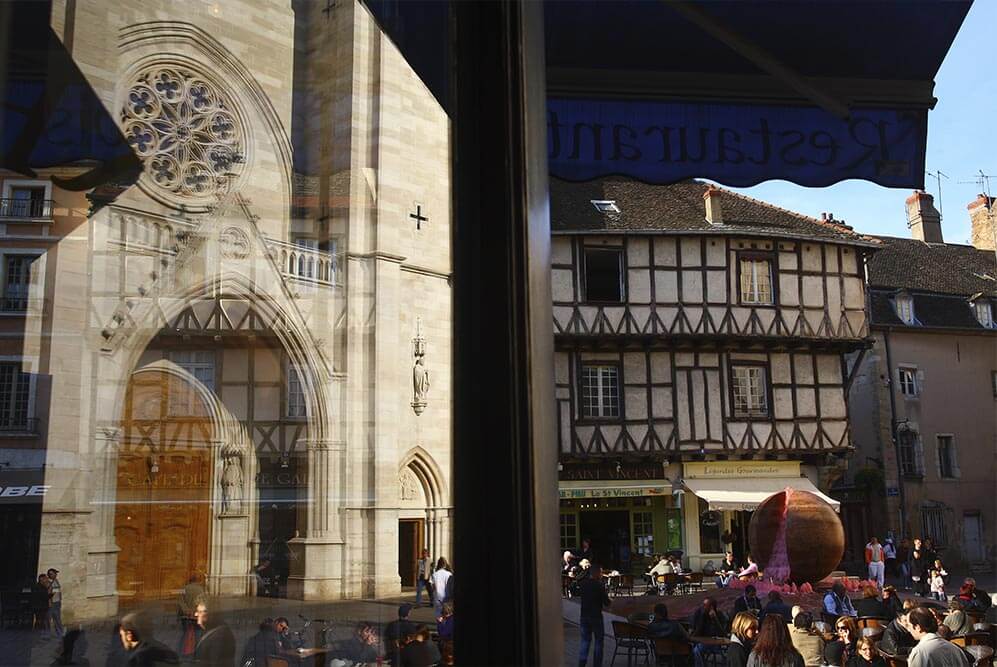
(937, 586)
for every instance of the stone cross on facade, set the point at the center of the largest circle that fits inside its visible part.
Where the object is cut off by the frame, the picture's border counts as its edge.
(418, 216)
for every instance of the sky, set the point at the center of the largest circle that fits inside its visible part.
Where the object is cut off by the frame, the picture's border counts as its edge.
(962, 140)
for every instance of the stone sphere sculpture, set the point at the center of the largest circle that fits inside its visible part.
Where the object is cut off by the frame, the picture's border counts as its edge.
(795, 536)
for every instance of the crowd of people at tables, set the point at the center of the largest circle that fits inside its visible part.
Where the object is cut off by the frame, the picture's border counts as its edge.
(773, 634)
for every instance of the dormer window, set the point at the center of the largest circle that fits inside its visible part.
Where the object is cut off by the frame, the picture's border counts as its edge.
(605, 205)
(984, 313)
(904, 304)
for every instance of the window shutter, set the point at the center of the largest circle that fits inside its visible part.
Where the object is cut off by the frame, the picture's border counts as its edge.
(918, 454)
(954, 458)
(920, 383)
(938, 458)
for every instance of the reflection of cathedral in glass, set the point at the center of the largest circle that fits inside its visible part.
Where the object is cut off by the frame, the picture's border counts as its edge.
(245, 402)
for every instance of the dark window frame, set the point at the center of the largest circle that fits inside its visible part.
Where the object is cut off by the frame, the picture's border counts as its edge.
(621, 253)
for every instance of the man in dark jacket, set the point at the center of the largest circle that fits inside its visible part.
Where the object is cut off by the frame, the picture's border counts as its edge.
(141, 649)
(897, 639)
(663, 628)
(593, 600)
(398, 630)
(776, 606)
(217, 644)
(261, 645)
(748, 602)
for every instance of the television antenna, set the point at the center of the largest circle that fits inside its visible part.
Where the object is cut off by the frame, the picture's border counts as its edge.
(938, 176)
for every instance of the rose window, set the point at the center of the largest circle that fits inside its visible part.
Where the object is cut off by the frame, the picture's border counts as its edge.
(185, 131)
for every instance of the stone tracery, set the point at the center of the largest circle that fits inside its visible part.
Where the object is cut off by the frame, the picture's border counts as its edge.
(185, 129)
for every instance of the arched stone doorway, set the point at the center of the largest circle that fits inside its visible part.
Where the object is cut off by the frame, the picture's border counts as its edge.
(162, 520)
(423, 517)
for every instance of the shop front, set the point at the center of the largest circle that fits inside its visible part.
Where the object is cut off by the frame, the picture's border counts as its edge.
(720, 497)
(627, 522)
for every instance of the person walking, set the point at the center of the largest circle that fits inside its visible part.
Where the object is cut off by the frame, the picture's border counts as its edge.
(890, 556)
(39, 603)
(216, 647)
(442, 585)
(55, 602)
(931, 650)
(140, 648)
(594, 599)
(423, 572)
(774, 647)
(874, 559)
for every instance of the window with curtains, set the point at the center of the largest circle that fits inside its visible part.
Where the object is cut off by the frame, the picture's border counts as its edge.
(756, 280)
(750, 391)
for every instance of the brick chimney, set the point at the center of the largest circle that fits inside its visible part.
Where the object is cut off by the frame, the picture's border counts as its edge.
(714, 213)
(981, 216)
(923, 218)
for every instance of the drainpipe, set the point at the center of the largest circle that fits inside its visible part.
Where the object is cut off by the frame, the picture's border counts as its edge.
(894, 435)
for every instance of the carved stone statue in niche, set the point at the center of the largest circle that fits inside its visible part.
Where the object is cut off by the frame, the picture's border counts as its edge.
(420, 374)
(407, 489)
(232, 485)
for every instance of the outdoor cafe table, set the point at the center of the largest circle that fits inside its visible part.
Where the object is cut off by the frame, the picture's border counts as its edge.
(722, 642)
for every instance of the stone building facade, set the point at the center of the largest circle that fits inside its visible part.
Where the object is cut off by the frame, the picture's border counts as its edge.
(245, 355)
(700, 338)
(924, 402)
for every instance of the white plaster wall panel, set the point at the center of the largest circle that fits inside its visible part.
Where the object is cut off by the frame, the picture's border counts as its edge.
(741, 317)
(716, 253)
(637, 432)
(832, 403)
(811, 257)
(642, 315)
(854, 293)
(615, 315)
(588, 314)
(709, 359)
(562, 393)
(564, 415)
(638, 286)
(692, 287)
(664, 431)
(691, 251)
(782, 397)
(789, 318)
(766, 316)
(560, 249)
(718, 314)
(562, 285)
(833, 299)
(828, 368)
(599, 356)
(635, 368)
(267, 365)
(611, 432)
(584, 434)
(785, 431)
(716, 287)
(684, 359)
(813, 291)
(787, 261)
(779, 367)
(748, 356)
(266, 402)
(806, 402)
(562, 315)
(809, 431)
(762, 431)
(665, 252)
(235, 364)
(661, 369)
(695, 316)
(803, 365)
(831, 259)
(667, 316)
(666, 286)
(714, 393)
(615, 241)
(789, 292)
(561, 363)
(637, 251)
(835, 430)
(682, 394)
(236, 400)
(849, 264)
(699, 398)
(814, 318)
(856, 318)
(636, 402)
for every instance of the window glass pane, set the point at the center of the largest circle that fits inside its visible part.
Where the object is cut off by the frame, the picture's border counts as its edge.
(756, 281)
(603, 275)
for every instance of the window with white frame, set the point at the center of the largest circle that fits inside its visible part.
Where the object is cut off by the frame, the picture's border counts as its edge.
(15, 396)
(933, 525)
(909, 385)
(295, 392)
(569, 531)
(750, 391)
(947, 465)
(17, 282)
(911, 453)
(184, 400)
(904, 304)
(600, 390)
(984, 313)
(756, 280)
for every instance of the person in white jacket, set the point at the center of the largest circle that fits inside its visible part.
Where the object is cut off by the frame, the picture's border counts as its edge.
(442, 585)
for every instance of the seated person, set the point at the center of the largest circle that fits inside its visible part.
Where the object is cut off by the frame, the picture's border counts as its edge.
(866, 655)
(870, 605)
(709, 621)
(445, 623)
(362, 646)
(418, 650)
(663, 567)
(395, 631)
(838, 651)
(727, 570)
(892, 603)
(806, 639)
(749, 573)
(957, 619)
(775, 605)
(897, 639)
(743, 630)
(661, 627)
(748, 601)
(837, 603)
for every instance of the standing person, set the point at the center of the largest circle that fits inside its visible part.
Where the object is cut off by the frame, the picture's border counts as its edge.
(743, 631)
(866, 655)
(55, 602)
(874, 560)
(191, 595)
(806, 639)
(585, 552)
(774, 647)
(837, 603)
(216, 646)
(931, 650)
(593, 600)
(903, 558)
(423, 572)
(919, 565)
(937, 584)
(39, 603)
(141, 648)
(892, 603)
(890, 555)
(442, 584)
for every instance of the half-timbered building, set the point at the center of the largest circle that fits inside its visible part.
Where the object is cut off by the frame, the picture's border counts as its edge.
(700, 342)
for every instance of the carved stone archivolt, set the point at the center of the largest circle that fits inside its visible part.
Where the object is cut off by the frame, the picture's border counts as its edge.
(187, 132)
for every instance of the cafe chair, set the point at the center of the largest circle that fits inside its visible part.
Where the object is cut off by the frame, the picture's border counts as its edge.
(891, 660)
(672, 582)
(695, 581)
(626, 584)
(632, 640)
(672, 652)
(871, 622)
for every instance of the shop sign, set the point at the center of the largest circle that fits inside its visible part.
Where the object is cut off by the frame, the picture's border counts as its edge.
(615, 492)
(736, 469)
(892, 491)
(581, 473)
